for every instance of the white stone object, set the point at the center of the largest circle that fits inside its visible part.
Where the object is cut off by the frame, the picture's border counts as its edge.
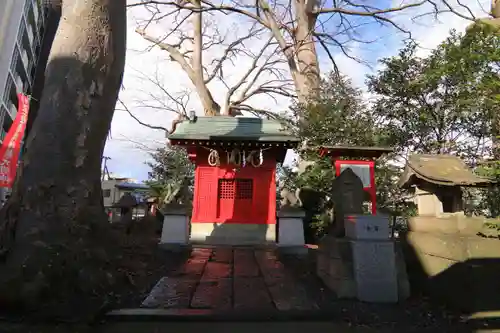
(375, 273)
(175, 229)
(233, 233)
(291, 232)
(366, 226)
(291, 228)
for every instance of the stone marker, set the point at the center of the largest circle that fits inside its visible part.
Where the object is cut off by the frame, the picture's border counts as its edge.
(175, 229)
(347, 195)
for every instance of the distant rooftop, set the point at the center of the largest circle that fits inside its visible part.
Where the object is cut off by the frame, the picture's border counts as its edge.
(132, 186)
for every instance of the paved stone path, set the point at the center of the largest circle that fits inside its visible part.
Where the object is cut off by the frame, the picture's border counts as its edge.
(225, 286)
(225, 279)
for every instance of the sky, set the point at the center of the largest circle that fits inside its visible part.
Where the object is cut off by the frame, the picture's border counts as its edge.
(149, 73)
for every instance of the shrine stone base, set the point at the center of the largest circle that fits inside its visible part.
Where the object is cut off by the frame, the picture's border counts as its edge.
(175, 229)
(233, 233)
(369, 270)
(291, 231)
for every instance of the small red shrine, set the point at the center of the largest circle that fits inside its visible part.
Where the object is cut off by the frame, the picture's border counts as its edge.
(235, 184)
(361, 160)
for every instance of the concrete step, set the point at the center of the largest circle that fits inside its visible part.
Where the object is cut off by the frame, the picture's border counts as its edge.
(249, 241)
(233, 327)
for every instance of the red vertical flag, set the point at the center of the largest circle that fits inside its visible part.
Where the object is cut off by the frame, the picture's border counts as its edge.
(11, 145)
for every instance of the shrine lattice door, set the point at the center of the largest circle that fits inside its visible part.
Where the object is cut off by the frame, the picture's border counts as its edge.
(235, 200)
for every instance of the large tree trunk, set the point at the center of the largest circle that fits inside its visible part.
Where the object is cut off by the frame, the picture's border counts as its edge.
(308, 77)
(301, 56)
(210, 106)
(56, 208)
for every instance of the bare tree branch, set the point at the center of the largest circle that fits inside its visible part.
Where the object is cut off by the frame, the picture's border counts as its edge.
(126, 109)
(228, 52)
(141, 145)
(296, 29)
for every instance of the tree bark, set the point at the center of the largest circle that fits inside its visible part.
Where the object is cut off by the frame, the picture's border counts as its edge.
(52, 222)
(301, 55)
(308, 78)
(210, 106)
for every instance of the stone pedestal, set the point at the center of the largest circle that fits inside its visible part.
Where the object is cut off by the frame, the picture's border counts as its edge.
(363, 268)
(359, 227)
(232, 234)
(291, 230)
(375, 271)
(175, 229)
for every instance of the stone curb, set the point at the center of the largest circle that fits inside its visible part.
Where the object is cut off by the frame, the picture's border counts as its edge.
(142, 314)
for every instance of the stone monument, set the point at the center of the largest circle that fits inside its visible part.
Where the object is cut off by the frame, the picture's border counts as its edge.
(290, 222)
(347, 195)
(175, 230)
(356, 258)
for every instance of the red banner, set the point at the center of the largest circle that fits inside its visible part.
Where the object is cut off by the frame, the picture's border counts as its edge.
(11, 145)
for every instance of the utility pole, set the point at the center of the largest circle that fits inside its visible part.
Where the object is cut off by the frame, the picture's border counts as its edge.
(105, 171)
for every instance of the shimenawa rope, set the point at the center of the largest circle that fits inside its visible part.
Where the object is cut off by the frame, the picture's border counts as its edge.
(237, 158)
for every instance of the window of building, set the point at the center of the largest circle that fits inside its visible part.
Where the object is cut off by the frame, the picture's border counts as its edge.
(8, 87)
(235, 189)
(12, 110)
(36, 12)
(21, 31)
(106, 193)
(7, 120)
(244, 188)
(25, 64)
(226, 189)
(14, 59)
(27, 6)
(30, 33)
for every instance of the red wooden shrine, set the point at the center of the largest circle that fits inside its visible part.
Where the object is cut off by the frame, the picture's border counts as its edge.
(230, 193)
(364, 169)
(235, 180)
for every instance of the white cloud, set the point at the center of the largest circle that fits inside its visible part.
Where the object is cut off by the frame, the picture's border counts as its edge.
(429, 31)
(127, 136)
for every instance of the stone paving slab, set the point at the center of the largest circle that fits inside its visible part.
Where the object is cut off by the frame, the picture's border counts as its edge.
(171, 292)
(226, 278)
(213, 294)
(251, 294)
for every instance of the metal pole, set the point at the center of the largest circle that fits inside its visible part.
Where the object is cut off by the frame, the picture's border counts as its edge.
(105, 167)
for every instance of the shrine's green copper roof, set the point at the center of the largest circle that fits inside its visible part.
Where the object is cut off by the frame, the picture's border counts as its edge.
(225, 128)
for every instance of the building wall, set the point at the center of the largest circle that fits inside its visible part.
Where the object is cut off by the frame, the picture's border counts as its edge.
(22, 25)
(110, 193)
